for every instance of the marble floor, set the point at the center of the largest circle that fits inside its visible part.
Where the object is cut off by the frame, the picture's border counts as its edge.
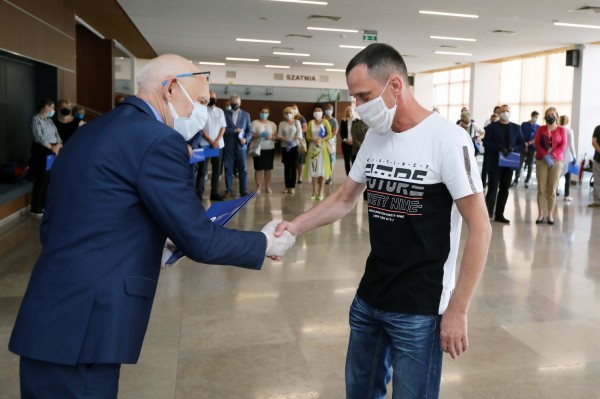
(281, 333)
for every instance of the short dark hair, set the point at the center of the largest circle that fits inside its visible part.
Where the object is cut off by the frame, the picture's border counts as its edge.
(381, 61)
(535, 113)
(43, 103)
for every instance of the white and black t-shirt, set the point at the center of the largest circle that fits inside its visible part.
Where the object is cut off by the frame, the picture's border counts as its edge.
(413, 179)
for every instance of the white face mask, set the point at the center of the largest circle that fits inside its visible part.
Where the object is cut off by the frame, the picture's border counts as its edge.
(505, 116)
(376, 114)
(295, 111)
(317, 115)
(289, 116)
(188, 127)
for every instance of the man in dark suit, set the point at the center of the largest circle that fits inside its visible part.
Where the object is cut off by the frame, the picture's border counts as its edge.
(116, 194)
(500, 137)
(237, 136)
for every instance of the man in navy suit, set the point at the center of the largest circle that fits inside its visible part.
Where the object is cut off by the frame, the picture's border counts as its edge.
(237, 136)
(121, 188)
(500, 137)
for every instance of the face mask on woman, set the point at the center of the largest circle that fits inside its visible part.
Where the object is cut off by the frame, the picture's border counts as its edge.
(289, 116)
(264, 115)
(317, 115)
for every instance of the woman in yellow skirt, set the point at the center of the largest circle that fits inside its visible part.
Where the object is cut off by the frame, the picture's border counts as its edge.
(318, 164)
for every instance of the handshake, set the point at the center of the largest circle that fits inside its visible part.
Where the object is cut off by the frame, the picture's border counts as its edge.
(281, 236)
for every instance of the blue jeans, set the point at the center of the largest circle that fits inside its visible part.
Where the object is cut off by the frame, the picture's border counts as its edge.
(387, 345)
(235, 158)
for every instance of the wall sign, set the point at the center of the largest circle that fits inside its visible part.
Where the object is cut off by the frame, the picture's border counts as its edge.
(301, 77)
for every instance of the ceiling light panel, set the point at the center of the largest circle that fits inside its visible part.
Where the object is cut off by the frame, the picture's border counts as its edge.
(318, 63)
(577, 25)
(278, 66)
(452, 53)
(318, 3)
(292, 54)
(332, 29)
(448, 14)
(241, 39)
(350, 46)
(211, 63)
(241, 59)
(334, 70)
(459, 39)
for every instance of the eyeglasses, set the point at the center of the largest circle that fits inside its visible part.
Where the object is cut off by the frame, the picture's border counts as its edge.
(181, 75)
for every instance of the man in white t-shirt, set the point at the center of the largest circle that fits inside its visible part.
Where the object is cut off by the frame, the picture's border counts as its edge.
(422, 181)
(212, 137)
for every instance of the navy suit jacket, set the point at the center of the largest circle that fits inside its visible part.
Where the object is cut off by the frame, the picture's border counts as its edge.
(243, 122)
(493, 142)
(121, 186)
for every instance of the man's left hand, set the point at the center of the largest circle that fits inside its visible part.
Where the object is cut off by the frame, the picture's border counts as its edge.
(453, 333)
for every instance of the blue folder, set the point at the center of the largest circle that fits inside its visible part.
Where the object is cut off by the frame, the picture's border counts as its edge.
(49, 161)
(512, 160)
(477, 147)
(573, 168)
(200, 154)
(220, 213)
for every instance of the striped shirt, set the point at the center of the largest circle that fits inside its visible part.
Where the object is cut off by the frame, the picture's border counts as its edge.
(44, 131)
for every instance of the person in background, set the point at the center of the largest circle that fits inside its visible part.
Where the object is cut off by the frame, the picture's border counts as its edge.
(289, 133)
(264, 130)
(409, 307)
(346, 134)
(572, 157)
(501, 137)
(65, 122)
(550, 143)
(528, 130)
(358, 134)
(237, 136)
(79, 113)
(212, 137)
(318, 166)
(332, 143)
(119, 99)
(88, 302)
(475, 132)
(596, 168)
(495, 117)
(46, 141)
(464, 110)
(301, 157)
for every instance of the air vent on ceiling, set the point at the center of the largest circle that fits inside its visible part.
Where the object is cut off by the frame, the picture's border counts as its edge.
(594, 9)
(324, 17)
(282, 48)
(408, 56)
(230, 74)
(503, 32)
(296, 35)
(448, 46)
(277, 76)
(323, 78)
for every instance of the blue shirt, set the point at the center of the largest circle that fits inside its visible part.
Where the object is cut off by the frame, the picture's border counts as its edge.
(528, 130)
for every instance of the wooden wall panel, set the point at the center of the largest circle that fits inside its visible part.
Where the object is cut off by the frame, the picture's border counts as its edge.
(35, 36)
(58, 13)
(67, 85)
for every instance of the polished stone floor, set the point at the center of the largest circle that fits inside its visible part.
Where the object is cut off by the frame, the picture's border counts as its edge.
(281, 333)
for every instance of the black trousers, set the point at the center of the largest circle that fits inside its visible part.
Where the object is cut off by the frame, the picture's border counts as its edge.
(567, 184)
(202, 174)
(497, 194)
(484, 172)
(40, 189)
(527, 159)
(290, 163)
(348, 159)
(43, 380)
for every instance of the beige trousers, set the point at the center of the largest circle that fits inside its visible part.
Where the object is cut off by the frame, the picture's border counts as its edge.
(547, 178)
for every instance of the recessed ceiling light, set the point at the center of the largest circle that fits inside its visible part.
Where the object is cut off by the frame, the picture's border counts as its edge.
(318, 63)
(278, 66)
(449, 14)
(334, 70)
(577, 25)
(210, 63)
(241, 39)
(294, 54)
(332, 29)
(319, 3)
(451, 53)
(460, 39)
(350, 46)
(241, 59)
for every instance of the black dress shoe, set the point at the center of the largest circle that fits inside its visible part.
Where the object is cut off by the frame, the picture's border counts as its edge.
(243, 194)
(501, 219)
(216, 197)
(550, 221)
(539, 221)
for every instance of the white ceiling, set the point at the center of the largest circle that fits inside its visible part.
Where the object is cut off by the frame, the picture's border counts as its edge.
(205, 30)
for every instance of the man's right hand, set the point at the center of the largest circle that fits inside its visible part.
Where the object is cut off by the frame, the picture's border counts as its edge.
(277, 244)
(505, 151)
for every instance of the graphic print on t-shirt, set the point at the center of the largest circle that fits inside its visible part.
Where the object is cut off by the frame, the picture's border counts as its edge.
(390, 192)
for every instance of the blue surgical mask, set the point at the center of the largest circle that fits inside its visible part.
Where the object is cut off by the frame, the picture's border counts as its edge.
(188, 127)
(50, 114)
(264, 115)
(79, 116)
(228, 108)
(328, 112)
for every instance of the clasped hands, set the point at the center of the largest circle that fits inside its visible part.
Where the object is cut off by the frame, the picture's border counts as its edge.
(281, 236)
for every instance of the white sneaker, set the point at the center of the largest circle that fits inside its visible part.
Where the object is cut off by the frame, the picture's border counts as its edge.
(568, 199)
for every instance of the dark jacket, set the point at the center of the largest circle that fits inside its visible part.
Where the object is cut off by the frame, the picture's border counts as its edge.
(494, 143)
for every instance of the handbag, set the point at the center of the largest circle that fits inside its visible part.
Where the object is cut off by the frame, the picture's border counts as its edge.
(254, 147)
(330, 146)
(573, 168)
(302, 147)
(512, 160)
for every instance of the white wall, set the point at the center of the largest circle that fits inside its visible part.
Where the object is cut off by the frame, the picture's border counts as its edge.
(423, 89)
(485, 90)
(586, 99)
